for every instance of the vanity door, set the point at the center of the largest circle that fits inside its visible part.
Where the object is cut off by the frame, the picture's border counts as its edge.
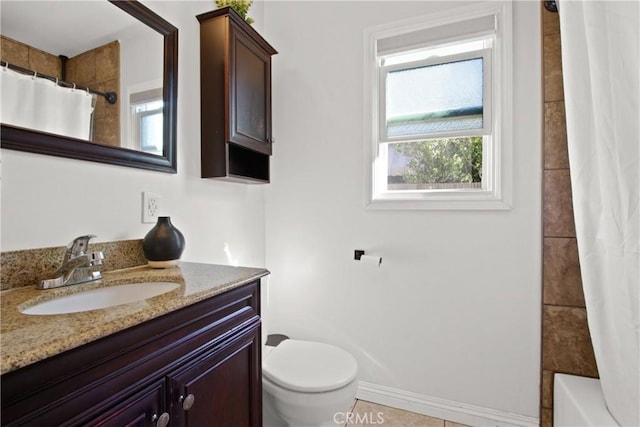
(145, 409)
(221, 387)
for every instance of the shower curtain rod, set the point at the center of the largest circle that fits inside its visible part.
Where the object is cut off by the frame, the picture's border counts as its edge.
(551, 5)
(111, 97)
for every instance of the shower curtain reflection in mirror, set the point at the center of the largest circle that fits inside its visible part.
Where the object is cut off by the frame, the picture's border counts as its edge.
(36, 103)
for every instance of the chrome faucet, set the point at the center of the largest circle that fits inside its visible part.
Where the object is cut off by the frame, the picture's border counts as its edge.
(77, 267)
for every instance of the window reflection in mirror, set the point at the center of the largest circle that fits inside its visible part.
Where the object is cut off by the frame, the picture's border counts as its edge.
(145, 120)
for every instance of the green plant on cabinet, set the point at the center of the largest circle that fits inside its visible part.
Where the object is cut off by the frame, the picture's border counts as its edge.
(240, 6)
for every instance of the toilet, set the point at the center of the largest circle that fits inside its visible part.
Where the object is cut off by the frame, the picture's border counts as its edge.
(307, 383)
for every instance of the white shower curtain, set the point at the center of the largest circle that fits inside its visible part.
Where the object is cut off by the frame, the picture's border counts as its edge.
(40, 104)
(600, 50)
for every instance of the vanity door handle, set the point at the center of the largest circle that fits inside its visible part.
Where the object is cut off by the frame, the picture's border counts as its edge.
(162, 420)
(187, 402)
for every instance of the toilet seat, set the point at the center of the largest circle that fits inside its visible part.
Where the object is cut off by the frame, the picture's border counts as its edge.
(306, 366)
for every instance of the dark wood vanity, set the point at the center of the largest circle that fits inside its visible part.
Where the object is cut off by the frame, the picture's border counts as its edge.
(235, 85)
(197, 366)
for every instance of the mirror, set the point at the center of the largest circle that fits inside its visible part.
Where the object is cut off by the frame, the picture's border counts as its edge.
(150, 99)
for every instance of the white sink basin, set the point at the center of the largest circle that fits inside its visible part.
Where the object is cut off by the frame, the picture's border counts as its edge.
(101, 298)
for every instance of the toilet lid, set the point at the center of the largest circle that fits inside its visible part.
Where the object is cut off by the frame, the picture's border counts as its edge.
(309, 366)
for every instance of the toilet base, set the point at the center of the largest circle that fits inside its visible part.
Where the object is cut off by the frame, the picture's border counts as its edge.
(306, 409)
(270, 417)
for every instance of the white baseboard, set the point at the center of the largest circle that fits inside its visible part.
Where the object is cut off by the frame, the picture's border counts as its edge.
(462, 413)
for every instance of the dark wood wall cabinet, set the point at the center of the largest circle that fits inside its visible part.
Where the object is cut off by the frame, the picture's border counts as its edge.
(198, 366)
(235, 98)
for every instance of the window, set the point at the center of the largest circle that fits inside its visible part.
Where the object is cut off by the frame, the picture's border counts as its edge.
(146, 120)
(438, 111)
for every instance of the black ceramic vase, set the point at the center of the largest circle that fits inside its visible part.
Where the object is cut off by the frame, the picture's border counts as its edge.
(163, 244)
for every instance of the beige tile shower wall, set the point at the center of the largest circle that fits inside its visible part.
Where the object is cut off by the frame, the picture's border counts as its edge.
(566, 343)
(23, 55)
(99, 69)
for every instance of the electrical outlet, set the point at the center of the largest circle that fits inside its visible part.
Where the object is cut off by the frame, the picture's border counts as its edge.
(150, 207)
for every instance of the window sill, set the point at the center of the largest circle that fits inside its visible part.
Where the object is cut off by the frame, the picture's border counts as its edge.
(439, 200)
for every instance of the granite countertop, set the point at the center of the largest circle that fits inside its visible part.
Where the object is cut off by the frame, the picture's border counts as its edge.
(26, 339)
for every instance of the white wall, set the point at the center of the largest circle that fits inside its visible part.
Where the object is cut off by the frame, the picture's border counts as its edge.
(454, 311)
(47, 201)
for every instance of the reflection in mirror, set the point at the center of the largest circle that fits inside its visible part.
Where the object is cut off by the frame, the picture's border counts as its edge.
(144, 120)
(58, 91)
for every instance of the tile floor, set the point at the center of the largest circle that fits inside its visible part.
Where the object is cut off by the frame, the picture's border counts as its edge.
(365, 413)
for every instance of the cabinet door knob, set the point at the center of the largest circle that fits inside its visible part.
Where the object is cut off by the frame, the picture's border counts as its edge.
(187, 402)
(162, 420)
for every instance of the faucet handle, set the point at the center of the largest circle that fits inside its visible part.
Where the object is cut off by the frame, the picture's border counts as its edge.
(78, 246)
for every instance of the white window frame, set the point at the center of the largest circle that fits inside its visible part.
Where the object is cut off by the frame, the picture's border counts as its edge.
(496, 192)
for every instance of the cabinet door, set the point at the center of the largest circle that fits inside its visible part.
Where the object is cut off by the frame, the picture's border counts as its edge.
(144, 409)
(250, 93)
(222, 387)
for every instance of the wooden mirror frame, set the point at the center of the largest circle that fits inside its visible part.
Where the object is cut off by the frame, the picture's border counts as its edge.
(15, 138)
